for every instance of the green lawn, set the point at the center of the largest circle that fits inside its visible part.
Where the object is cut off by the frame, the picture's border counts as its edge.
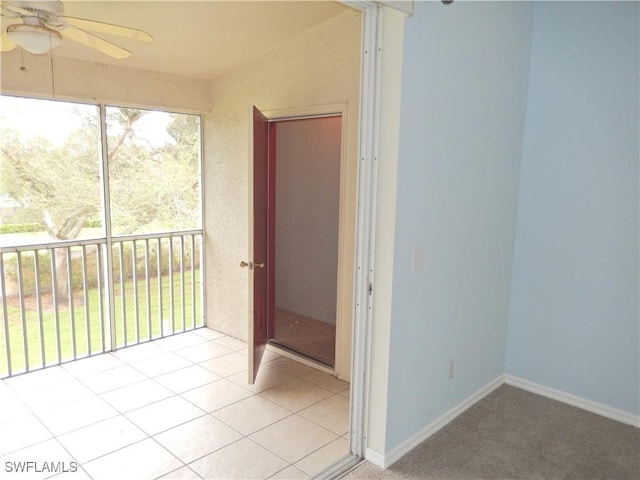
(89, 327)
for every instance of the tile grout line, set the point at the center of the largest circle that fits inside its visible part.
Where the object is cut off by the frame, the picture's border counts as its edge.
(289, 463)
(204, 341)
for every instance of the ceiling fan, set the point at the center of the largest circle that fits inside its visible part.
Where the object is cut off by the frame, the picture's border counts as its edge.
(44, 25)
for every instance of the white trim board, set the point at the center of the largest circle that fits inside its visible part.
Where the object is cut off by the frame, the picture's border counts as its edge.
(376, 458)
(576, 401)
(385, 461)
(405, 6)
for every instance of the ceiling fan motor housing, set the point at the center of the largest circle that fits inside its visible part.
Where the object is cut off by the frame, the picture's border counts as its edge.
(42, 8)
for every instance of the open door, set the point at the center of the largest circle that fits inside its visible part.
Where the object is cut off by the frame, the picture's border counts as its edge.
(258, 238)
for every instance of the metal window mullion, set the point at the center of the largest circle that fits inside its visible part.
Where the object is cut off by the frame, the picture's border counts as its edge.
(54, 297)
(36, 269)
(101, 312)
(193, 280)
(159, 276)
(85, 292)
(147, 286)
(202, 276)
(202, 260)
(23, 317)
(134, 258)
(5, 316)
(72, 317)
(171, 299)
(123, 306)
(182, 291)
(106, 209)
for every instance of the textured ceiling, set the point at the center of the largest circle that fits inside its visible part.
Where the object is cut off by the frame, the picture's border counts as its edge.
(197, 39)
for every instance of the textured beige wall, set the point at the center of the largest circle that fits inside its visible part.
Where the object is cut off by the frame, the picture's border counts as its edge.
(94, 82)
(319, 67)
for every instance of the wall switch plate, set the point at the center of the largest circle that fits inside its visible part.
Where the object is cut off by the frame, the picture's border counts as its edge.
(452, 368)
(418, 261)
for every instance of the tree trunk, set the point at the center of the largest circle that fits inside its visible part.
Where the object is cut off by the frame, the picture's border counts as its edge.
(62, 279)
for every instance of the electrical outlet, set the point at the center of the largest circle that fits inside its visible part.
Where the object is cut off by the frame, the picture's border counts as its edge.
(452, 368)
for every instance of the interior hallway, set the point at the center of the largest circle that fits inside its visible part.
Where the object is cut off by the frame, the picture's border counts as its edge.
(178, 407)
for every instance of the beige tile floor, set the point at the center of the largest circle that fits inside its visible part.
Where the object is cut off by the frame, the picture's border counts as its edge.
(175, 408)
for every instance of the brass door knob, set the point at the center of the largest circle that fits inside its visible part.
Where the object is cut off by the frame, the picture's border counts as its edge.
(251, 265)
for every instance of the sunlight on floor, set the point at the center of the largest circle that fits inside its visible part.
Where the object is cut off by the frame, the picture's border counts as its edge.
(179, 407)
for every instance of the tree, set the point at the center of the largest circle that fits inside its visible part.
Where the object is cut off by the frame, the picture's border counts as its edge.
(58, 184)
(154, 182)
(153, 185)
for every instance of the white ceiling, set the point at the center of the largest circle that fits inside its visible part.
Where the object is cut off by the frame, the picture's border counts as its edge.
(196, 39)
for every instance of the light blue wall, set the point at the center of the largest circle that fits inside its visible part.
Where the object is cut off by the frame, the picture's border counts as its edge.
(574, 308)
(465, 74)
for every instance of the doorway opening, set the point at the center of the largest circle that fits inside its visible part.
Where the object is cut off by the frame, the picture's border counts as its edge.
(357, 215)
(307, 221)
(302, 199)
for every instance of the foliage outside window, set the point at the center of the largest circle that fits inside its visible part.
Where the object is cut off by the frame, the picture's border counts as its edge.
(49, 168)
(153, 170)
(50, 171)
(68, 289)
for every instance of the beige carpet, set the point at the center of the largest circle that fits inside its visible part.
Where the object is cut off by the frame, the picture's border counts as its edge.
(306, 335)
(514, 434)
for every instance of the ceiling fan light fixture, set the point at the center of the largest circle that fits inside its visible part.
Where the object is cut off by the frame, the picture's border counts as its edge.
(35, 39)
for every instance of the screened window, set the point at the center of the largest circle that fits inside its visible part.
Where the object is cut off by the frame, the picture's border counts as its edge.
(154, 170)
(51, 182)
(50, 187)
(100, 229)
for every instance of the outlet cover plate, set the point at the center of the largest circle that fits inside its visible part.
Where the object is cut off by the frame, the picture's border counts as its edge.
(418, 261)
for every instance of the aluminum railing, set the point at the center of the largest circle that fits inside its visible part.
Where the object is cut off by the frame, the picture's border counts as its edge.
(67, 300)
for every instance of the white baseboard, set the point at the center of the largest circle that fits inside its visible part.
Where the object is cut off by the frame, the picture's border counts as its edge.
(374, 457)
(394, 455)
(384, 461)
(583, 403)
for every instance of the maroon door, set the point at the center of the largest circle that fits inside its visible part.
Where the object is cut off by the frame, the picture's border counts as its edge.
(259, 201)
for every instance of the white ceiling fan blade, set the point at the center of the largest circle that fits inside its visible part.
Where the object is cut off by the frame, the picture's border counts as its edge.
(109, 29)
(17, 10)
(94, 42)
(6, 45)
(8, 13)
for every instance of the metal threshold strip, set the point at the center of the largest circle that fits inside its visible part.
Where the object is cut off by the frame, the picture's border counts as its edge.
(274, 342)
(339, 469)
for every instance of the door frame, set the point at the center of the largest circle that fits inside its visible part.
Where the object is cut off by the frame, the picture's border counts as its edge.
(365, 216)
(346, 216)
(368, 153)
